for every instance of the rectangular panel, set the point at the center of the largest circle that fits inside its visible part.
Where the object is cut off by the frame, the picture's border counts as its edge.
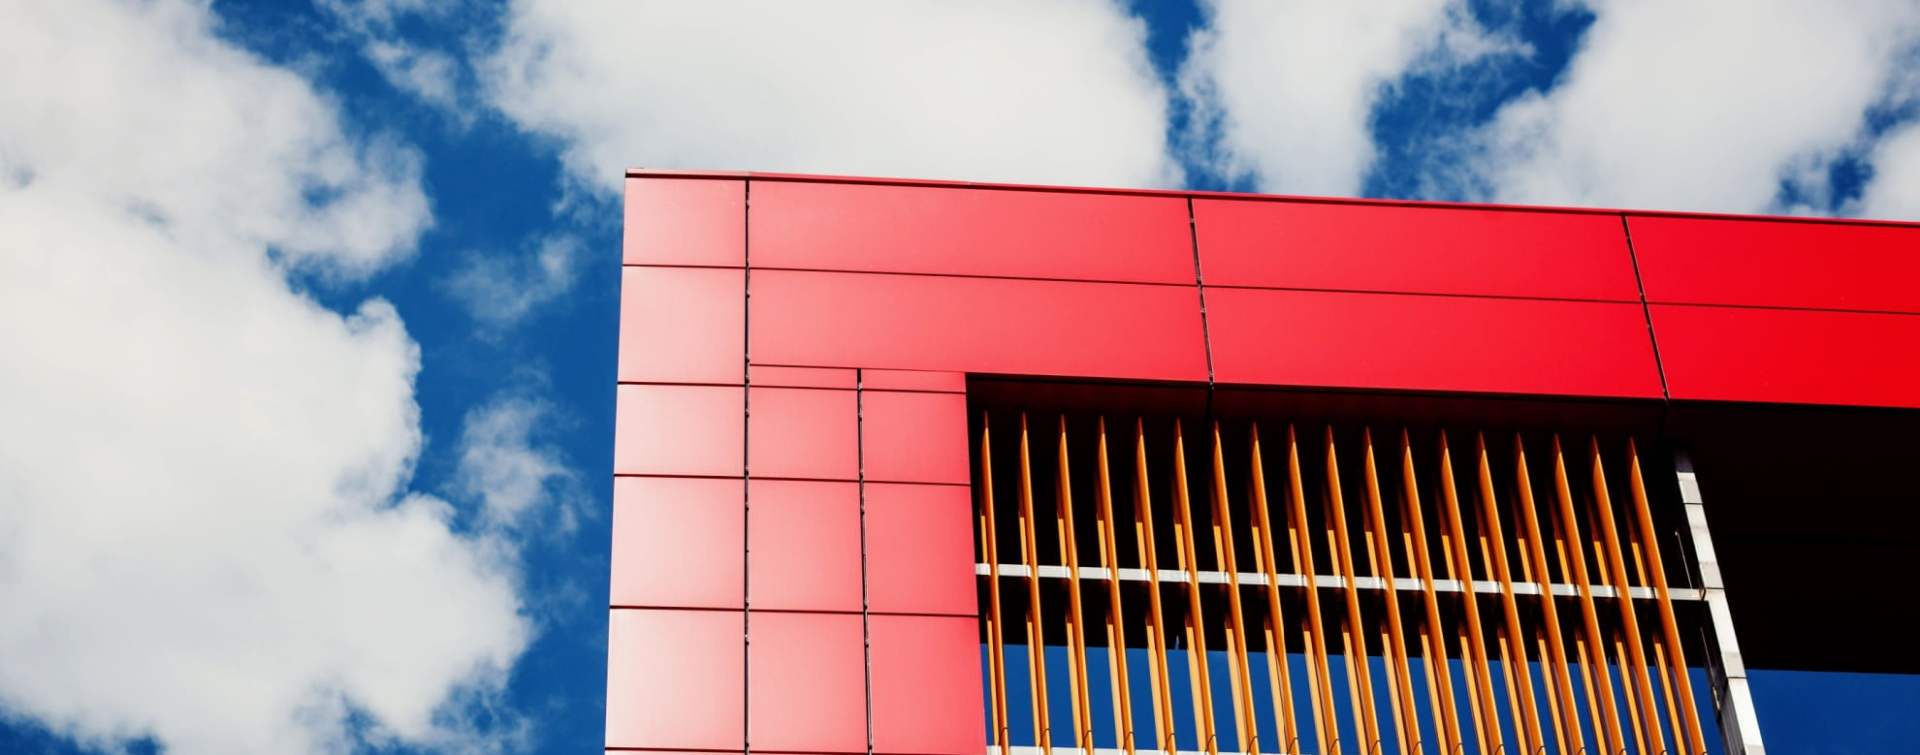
(914, 437)
(1790, 356)
(678, 542)
(763, 376)
(926, 685)
(803, 545)
(1405, 342)
(968, 231)
(701, 652)
(679, 430)
(1778, 263)
(686, 221)
(803, 432)
(913, 380)
(920, 549)
(978, 325)
(1436, 250)
(682, 325)
(612, 751)
(807, 684)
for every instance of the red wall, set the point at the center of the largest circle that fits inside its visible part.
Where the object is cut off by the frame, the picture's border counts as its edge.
(792, 522)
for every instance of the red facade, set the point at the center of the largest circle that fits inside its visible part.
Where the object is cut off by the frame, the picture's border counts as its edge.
(792, 556)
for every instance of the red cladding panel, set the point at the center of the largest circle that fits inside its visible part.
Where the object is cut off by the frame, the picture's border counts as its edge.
(686, 221)
(803, 545)
(807, 689)
(801, 377)
(978, 325)
(926, 685)
(675, 679)
(1790, 356)
(679, 430)
(1370, 247)
(800, 432)
(1438, 343)
(1778, 263)
(914, 437)
(677, 542)
(962, 231)
(920, 549)
(674, 752)
(909, 380)
(682, 325)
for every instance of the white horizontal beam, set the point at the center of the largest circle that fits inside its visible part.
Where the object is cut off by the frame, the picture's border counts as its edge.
(1327, 581)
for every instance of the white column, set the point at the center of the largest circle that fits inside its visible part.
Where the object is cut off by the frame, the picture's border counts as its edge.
(1739, 727)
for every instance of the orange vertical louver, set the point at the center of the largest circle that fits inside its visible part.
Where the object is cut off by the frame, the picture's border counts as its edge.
(1451, 605)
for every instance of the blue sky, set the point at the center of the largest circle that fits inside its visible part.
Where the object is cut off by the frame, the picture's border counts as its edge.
(364, 253)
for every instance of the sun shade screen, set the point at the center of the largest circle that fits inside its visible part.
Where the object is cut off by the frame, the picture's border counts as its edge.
(1239, 587)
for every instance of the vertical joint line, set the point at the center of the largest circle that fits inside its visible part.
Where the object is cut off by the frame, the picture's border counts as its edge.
(1646, 311)
(746, 469)
(1200, 287)
(860, 474)
(1200, 284)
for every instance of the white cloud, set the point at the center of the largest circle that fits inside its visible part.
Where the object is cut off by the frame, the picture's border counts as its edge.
(1894, 191)
(507, 466)
(94, 91)
(432, 75)
(383, 13)
(205, 530)
(499, 290)
(1005, 90)
(1283, 92)
(1699, 106)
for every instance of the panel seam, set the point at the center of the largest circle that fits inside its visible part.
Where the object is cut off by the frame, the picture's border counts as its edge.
(961, 276)
(1788, 308)
(780, 478)
(746, 468)
(1428, 294)
(1200, 285)
(1646, 311)
(866, 624)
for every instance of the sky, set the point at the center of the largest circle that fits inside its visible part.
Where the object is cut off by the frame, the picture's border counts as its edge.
(306, 404)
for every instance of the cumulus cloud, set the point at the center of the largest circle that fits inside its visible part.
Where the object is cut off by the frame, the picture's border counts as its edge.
(431, 75)
(509, 465)
(434, 76)
(1282, 93)
(1894, 191)
(135, 81)
(206, 532)
(1700, 106)
(1004, 90)
(499, 290)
